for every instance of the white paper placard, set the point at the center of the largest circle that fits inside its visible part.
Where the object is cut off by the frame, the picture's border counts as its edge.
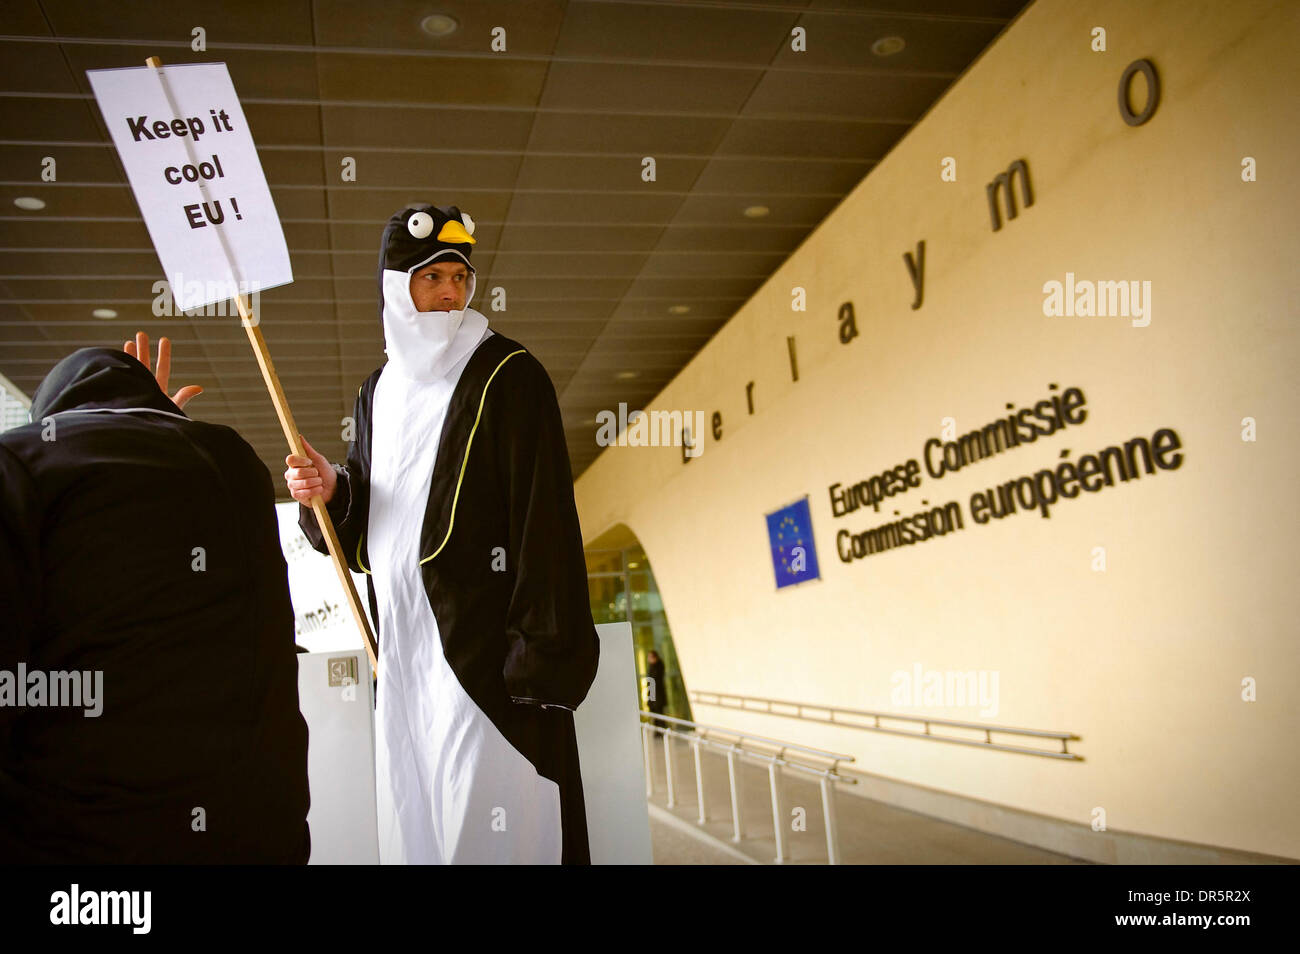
(189, 156)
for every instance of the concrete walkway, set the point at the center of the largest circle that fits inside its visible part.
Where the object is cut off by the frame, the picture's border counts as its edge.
(871, 833)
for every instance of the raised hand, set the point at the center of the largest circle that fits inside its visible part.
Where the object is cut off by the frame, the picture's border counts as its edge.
(139, 349)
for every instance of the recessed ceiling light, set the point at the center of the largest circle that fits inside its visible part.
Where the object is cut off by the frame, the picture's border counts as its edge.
(888, 46)
(756, 211)
(29, 203)
(104, 313)
(680, 309)
(439, 24)
(625, 375)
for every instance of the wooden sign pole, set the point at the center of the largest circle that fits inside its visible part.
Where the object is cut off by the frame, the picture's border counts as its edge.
(285, 415)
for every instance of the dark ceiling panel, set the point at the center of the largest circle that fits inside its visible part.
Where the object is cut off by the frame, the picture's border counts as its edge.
(282, 125)
(34, 231)
(579, 239)
(740, 235)
(395, 24)
(822, 141)
(419, 172)
(618, 88)
(285, 167)
(242, 21)
(74, 163)
(668, 31)
(626, 135)
(299, 204)
(25, 18)
(993, 10)
(98, 202)
(636, 207)
(717, 283)
(415, 79)
(870, 95)
(578, 174)
(101, 262)
(48, 120)
(33, 67)
(774, 176)
(402, 126)
(835, 40)
(728, 210)
(73, 281)
(562, 314)
(537, 274)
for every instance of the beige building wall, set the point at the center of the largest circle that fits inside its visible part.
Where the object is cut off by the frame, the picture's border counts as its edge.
(1144, 661)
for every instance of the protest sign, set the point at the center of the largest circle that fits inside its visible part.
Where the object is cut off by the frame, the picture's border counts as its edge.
(189, 156)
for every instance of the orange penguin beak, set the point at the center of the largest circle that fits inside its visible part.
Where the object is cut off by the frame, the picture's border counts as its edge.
(455, 233)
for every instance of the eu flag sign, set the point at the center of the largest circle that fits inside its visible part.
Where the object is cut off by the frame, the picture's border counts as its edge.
(794, 555)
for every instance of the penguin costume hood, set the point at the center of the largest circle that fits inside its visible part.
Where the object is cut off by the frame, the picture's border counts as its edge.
(422, 346)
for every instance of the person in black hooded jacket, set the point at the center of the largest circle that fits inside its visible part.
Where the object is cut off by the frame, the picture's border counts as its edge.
(140, 549)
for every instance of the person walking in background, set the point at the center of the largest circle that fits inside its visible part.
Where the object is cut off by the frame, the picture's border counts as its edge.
(656, 690)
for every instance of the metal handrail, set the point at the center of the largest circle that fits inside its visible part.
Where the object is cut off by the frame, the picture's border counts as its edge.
(777, 743)
(735, 749)
(719, 699)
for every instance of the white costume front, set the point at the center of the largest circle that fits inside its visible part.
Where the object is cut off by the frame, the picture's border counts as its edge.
(450, 787)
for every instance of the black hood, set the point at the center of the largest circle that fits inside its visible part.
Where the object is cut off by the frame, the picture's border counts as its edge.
(409, 242)
(98, 377)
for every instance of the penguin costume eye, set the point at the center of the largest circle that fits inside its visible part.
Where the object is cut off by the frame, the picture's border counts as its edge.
(420, 225)
(469, 223)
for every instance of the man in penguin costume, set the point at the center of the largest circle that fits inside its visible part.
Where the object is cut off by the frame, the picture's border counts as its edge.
(457, 501)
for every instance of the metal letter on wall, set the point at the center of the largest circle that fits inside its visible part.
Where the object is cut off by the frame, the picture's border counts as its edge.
(1007, 179)
(1147, 69)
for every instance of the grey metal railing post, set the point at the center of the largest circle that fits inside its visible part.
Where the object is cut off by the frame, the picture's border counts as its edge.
(647, 740)
(668, 767)
(736, 833)
(699, 781)
(778, 815)
(832, 828)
